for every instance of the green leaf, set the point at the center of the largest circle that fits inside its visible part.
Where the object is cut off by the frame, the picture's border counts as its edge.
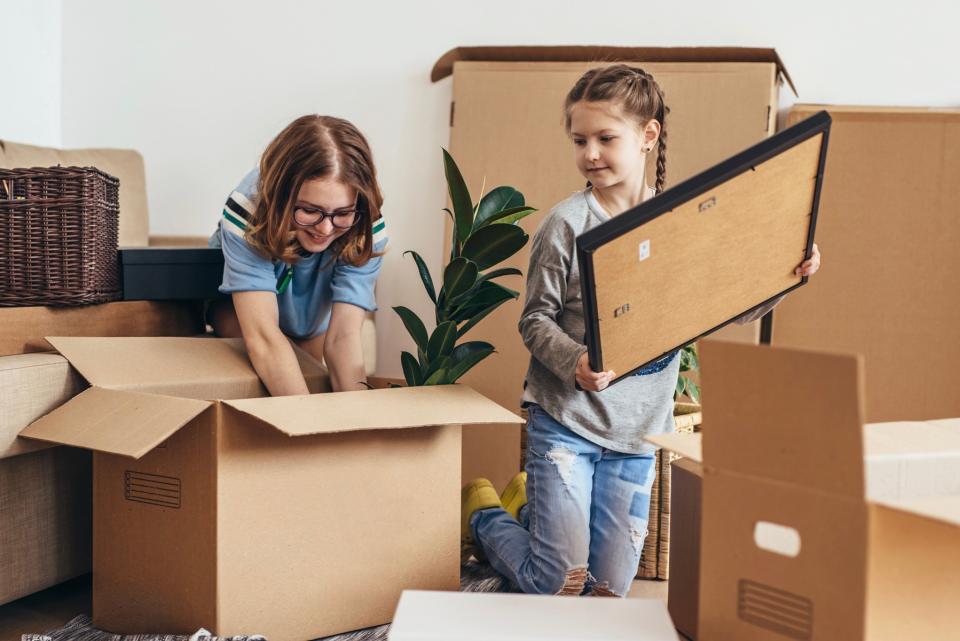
(489, 245)
(513, 216)
(487, 293)
(498, 200)
(465, 356)
(693, 391)
(411, 369)
(424, 275)
(438, 364)
(414, 326)
(460, 197)
(422, 359)
(694, 357)
(437, 378)
(681, 387)
(479, 317)
(497, 273)
(442, 340)
(459, 277)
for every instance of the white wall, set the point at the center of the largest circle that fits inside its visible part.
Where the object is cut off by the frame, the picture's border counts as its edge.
(30, 80)
(201, 87)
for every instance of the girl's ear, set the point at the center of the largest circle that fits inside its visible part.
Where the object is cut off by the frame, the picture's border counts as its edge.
(651, 133)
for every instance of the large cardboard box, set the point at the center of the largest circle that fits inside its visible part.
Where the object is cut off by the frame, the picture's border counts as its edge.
(808, 531)
(506, 128)
(293, 517)
(478, 616)
(889, 228)
(22, 328)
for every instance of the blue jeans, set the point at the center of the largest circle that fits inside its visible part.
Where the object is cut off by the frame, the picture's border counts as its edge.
(583, 528)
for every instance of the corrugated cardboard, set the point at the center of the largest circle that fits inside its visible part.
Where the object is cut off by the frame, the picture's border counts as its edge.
(787, 458)
(478, 616)
(889, 229)
(293, 517)
(22, 328)
(124, 164)
(683, 598)
(45, 512)
(507, 129)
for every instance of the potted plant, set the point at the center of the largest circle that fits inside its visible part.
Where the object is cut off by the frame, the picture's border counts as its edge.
(484, 234)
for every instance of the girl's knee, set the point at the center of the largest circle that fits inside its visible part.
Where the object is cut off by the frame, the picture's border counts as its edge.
(557, 581)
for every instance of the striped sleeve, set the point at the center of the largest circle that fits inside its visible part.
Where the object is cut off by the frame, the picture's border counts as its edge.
(243, 268)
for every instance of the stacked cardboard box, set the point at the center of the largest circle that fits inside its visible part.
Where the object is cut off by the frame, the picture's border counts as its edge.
(814, 526)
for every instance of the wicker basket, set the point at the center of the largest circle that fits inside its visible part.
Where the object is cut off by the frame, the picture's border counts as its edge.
(58, 236)
(654, 561)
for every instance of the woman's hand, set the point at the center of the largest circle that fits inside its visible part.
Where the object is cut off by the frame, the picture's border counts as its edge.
(810, 266)
(590, 380)
(343, 348)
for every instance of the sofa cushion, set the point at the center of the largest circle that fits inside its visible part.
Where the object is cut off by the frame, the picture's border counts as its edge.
(32, 385)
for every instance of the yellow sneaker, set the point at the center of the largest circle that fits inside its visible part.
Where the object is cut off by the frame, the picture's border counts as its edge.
(478, 494)
(514, 495)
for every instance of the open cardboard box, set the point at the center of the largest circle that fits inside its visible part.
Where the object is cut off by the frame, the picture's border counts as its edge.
(293, 517)
(808, 533)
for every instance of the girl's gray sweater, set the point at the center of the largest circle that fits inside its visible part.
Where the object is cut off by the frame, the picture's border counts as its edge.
(552, 327)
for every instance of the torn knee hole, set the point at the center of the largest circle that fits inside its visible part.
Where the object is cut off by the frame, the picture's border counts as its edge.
(637, 537)
(573, 582)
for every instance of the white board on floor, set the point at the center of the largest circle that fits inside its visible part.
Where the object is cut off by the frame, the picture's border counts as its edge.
(474, 616)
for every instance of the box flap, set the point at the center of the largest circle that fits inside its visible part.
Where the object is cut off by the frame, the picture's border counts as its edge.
(686, 445)
(785, 415)
(945, 509)
(116, 422)
(202, 368)
(375, 409)
(576, 53)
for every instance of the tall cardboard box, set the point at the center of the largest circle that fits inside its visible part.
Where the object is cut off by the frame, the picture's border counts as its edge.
(293, 517)
(889, 228)
(506, 128)
(795, 543)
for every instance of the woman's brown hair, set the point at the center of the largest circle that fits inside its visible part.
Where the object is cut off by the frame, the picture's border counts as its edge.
(637, 94)
(313, 147)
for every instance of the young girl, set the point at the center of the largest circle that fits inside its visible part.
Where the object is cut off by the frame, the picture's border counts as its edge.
(302, 238)
(588, 472)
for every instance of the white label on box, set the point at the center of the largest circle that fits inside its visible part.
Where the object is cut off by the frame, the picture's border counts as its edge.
(645, 250)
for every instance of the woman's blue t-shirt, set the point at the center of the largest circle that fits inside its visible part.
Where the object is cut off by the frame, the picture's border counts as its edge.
(306, 290)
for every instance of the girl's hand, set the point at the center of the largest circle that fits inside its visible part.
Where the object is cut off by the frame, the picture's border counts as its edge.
(590, 380)
(811, 266)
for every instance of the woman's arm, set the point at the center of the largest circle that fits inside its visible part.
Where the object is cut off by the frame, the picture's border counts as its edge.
(269, 350)
(343, 349)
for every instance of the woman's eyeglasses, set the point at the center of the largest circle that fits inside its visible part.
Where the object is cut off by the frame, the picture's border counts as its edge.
(311, 217)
